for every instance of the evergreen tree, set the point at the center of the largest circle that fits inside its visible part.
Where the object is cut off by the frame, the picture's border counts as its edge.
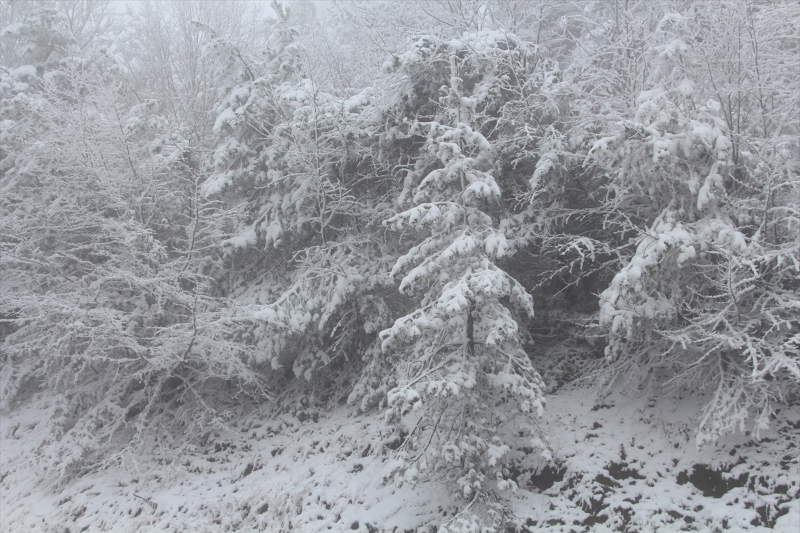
(462, 377)
(296, 165)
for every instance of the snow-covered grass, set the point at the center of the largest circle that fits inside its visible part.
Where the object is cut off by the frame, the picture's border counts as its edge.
(621, 462)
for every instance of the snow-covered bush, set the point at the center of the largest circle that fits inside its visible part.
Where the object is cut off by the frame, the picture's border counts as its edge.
(704, 178)
(105, 303)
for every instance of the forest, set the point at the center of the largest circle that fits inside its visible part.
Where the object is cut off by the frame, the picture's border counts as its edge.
(454, 266)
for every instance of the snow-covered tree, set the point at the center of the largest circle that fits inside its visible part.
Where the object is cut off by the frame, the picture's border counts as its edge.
(707, 299)
(305, 247)
(165, 57)
(100, 286)
(461, 377)
(36, 34)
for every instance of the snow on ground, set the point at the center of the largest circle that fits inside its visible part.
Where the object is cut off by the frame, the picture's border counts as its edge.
(622, 463)
(627, 464)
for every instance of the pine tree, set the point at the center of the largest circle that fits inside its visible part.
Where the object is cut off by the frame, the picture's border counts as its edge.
(461, 374)
(296, 165)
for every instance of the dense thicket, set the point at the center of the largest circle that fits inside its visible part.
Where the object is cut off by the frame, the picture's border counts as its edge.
(395, 209)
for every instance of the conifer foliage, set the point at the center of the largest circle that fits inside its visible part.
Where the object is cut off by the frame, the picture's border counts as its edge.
(706, 294)
(462, 351)
(294, 165)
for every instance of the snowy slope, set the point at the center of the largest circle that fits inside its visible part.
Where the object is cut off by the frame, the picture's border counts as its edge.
(621, 463)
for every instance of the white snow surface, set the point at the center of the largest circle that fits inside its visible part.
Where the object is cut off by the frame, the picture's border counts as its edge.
(326, 473)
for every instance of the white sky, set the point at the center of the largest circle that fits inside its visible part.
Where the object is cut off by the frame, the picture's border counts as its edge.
(121, 5)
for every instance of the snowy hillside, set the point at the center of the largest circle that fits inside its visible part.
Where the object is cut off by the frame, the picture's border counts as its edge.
(619, 463)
